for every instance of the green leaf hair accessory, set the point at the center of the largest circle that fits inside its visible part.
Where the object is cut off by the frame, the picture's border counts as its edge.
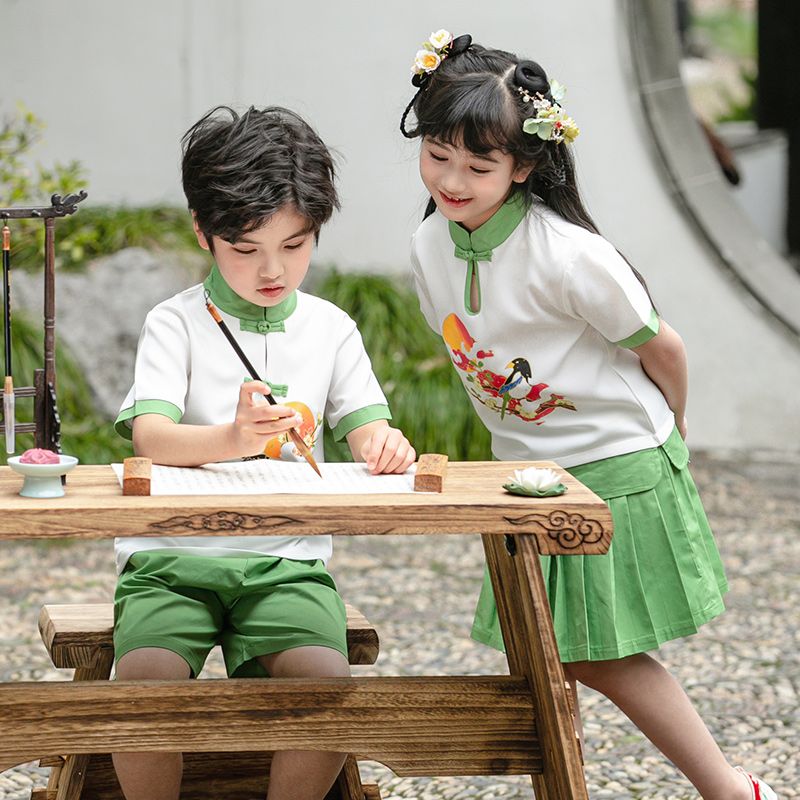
(550, 122)
(535, 482)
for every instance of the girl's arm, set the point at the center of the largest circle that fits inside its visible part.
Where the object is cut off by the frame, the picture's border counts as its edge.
(664, 360)
(384, 449)
(179, 445)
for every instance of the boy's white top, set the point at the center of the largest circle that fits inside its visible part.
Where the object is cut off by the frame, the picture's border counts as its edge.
(545, 359)
(307, 349)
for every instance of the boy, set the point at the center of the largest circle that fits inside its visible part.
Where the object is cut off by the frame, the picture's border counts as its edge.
(260, 186)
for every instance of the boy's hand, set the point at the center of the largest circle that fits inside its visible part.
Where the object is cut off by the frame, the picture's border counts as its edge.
(256, 421)
(387, 450)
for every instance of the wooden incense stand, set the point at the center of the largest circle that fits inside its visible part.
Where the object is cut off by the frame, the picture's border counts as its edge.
(46, 426)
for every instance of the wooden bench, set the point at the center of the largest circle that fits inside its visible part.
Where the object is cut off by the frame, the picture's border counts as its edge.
(80, 637)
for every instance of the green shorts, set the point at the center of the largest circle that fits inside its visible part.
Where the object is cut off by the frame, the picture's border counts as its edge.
(250, 606)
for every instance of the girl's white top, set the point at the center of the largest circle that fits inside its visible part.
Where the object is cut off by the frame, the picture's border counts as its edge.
(559, 308)
(187, 370)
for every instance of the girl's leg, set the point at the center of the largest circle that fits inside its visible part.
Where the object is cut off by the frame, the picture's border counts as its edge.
(578, 720)
(150, 776)
(304, 774)
(654, 701)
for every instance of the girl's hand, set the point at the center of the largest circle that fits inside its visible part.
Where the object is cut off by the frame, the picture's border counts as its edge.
(256, 421)
(682, 427)
(387, 450)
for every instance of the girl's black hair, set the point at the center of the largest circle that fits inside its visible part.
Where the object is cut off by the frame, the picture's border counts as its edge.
(473, 99)
(238, 170)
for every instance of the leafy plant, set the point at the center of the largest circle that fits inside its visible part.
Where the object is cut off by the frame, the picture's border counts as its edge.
(100, 230)
(84, 432)
(730, 30)
(22, 184)
(732, 34)
(742, 110)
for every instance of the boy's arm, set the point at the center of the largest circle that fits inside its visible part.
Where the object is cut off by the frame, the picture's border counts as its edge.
(384, 448)
(180, 445)
(664, 360)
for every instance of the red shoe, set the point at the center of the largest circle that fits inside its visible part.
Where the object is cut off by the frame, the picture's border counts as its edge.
(759, 790)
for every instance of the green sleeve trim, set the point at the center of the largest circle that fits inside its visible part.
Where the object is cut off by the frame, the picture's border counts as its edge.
(358, 418)
(644, 334)
(123, 425)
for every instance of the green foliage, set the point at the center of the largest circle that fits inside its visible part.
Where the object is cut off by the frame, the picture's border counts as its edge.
(731, 31)
(100, 230)
(22, 184)
(96, 231)
(84, 432)
(732, 34)
(744, 110)
(93, 231)
(428, 402)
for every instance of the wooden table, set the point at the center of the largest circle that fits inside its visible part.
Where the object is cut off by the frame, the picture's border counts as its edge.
(462, 725)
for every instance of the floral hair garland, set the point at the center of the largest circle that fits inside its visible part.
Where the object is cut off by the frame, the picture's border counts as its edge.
(550, 122)
(433, 52)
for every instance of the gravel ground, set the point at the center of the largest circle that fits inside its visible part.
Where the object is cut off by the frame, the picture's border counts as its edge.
(742, 670)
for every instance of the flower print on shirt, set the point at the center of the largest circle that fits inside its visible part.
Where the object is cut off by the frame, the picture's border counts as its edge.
(509, 393)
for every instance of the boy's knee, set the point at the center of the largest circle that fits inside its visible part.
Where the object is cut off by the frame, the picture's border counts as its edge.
(306, 662)
(152, 663)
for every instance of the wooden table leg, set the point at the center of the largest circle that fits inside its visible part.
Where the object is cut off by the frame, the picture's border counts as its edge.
(531, 651)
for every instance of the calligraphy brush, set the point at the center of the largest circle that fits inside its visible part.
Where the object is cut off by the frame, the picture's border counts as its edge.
(294, 435)
(8, 386)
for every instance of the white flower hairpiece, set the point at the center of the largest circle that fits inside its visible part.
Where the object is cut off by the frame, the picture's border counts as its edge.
(432, 53)
(550, 122)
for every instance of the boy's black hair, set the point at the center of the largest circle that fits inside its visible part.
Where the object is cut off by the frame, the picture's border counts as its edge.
(473, 98)
(238, 170)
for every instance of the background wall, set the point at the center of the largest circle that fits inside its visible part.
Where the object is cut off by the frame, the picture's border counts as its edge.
(118, 83)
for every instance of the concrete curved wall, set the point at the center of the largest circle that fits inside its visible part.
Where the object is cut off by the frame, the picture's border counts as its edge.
(118, 84)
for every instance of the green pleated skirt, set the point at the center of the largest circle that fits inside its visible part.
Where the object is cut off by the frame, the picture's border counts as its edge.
(661, 579)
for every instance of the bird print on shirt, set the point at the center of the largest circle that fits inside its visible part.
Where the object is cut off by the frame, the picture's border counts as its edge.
(511, 393)
(517, 384)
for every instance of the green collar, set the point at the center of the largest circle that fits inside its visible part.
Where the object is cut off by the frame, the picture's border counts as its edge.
(257, 319)
(478, 245)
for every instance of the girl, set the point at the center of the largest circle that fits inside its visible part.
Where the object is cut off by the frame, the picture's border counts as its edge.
(564, 357)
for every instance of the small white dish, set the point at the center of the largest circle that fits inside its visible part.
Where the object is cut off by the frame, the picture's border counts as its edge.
(42, 480)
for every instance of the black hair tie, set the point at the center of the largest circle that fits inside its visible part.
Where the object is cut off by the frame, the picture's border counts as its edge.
(532, 78)
(460, 45)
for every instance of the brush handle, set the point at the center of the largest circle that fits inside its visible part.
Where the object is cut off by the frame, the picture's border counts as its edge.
(238, 350)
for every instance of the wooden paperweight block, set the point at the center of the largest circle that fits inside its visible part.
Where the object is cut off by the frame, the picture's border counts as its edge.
(136, 476)
(431, 469)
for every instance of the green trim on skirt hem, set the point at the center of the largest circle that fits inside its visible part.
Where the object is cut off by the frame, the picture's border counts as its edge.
(661, 579)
